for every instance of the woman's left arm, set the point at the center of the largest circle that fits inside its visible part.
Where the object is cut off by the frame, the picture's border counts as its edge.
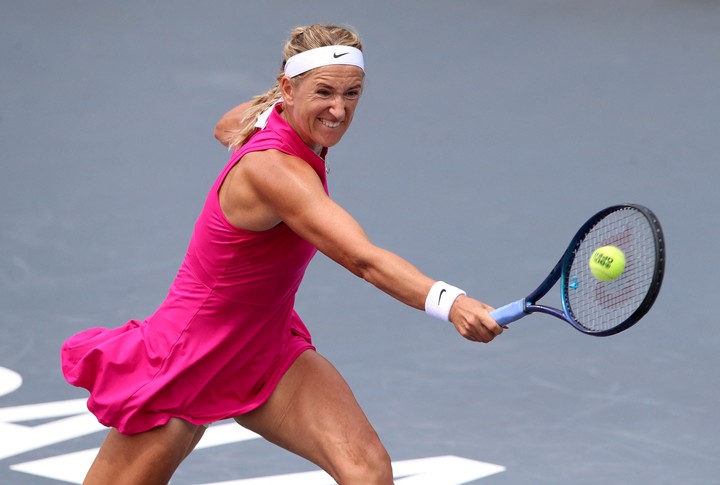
(230, 122)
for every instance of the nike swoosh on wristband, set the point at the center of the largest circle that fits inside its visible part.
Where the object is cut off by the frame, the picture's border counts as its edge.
(441, 294)
(336, 55)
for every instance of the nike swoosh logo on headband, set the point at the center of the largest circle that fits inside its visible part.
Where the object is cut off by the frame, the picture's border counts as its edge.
(335, 55)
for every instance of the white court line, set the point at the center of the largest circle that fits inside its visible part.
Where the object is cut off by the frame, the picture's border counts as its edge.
(438, 470)
(9, 381)
(71, 467)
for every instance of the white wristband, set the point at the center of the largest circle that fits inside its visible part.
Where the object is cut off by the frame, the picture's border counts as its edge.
(440, 299)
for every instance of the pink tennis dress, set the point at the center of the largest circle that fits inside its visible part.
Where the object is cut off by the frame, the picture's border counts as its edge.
(225, 334)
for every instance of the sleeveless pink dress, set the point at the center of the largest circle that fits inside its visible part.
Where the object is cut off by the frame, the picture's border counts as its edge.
(226, 333)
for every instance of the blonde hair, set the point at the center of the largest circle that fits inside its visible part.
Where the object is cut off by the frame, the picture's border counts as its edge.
(301, 39)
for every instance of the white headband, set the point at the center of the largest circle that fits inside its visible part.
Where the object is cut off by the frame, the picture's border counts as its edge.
(323, 56)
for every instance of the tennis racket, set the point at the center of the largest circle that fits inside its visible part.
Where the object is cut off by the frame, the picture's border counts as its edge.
(593, 306)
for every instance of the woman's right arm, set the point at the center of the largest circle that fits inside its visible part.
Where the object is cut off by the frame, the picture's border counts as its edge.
(291, 191)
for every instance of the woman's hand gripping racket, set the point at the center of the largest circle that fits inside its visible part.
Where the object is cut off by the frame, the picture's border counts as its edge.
(594, 301)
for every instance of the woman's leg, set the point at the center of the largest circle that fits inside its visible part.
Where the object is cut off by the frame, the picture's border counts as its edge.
(199, 432)
(314, 414)
(148, 458)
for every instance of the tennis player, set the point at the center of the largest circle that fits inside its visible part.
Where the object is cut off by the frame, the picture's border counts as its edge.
(226, 342)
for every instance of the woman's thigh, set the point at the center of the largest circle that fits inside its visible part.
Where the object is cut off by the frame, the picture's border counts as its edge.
(314, 414)
(148, 458)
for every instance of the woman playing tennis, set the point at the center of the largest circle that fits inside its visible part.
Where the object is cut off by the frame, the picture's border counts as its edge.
(226, 342)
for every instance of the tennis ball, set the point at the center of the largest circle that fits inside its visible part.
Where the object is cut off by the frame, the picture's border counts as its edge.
(607, 263)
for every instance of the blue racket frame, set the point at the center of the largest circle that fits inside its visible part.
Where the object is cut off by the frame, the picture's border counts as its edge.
(521, 308)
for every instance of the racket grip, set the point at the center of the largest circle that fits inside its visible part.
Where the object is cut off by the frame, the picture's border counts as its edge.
(509, 313)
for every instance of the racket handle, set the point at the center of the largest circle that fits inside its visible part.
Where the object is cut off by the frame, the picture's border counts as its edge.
(509, 313)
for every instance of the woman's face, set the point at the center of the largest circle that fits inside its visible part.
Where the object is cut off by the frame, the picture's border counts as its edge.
(320, 105)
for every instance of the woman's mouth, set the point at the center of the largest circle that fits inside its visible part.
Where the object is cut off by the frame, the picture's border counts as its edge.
(330, 124)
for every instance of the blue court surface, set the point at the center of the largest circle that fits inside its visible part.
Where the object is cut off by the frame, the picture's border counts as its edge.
(487, 133)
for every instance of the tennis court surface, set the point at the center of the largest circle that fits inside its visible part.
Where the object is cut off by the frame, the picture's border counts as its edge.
(487, 133)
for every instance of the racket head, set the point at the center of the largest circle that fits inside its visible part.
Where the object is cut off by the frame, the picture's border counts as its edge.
(603, 308)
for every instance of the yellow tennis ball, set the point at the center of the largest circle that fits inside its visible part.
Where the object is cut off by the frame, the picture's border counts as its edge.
(607, 263)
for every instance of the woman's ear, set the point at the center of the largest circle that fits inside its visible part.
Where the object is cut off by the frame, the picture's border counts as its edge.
(286, 89)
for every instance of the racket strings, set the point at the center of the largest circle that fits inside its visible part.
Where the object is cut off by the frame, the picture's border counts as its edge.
(601, 305)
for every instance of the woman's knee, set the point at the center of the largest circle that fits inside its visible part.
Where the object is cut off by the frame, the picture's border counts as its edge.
(369, 464)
